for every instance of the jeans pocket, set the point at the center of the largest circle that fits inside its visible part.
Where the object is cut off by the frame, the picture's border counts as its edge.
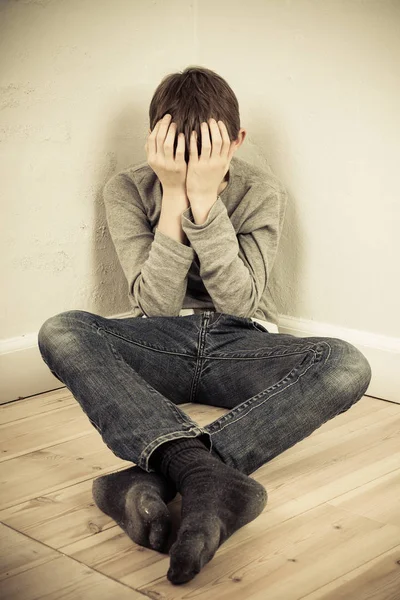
(259, 327)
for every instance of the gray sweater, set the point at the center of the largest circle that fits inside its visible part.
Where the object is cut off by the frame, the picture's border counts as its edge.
(228, 264)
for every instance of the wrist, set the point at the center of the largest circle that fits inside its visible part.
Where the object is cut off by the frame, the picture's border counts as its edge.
(175, 198)
(178, 190)
(201, 208)
(201, 201)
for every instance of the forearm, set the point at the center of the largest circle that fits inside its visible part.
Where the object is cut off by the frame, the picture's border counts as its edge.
(201, 208)
(173, 205)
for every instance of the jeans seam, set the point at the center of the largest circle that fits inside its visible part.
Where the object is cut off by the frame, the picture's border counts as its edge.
(154, 348)
(146, 452)
(187, 427)
(215, 322)
(243, 408)
(182, 419)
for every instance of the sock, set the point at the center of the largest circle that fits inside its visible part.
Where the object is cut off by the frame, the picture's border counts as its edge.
(171, 458)
(137, 501)
(216, 501)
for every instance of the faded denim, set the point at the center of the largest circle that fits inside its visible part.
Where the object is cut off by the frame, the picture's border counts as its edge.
(130, 375)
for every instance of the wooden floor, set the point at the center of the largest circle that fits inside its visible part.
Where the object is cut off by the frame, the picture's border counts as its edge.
(330, 530)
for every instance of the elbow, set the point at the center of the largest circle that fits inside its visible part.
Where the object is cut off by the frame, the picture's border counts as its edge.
(152, 302)
(247, 306)
(152, 309)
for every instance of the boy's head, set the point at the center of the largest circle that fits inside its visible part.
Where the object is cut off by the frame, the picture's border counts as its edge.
(193, 96)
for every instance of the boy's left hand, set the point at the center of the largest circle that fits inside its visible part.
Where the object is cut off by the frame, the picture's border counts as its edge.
(205, 173)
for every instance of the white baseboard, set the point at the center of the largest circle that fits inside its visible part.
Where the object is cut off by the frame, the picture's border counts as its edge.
(24, 374)
(382, 352)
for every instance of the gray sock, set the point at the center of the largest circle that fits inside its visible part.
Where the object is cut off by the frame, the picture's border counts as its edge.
(137, 501)
(216, 501)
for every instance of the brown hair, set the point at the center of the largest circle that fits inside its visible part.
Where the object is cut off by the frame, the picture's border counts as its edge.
(191, 97)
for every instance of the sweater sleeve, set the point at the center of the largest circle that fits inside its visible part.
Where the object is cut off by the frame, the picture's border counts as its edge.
(155, 265)
(235, 268)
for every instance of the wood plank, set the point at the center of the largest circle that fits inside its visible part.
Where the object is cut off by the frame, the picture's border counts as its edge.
(305, 492)
(59, 518)
(326, 485)
(19, 553)
(202, 413)
(114, 554)
(43, 430)
(54, 468)
(378, 499)
(332, 517)
(35, 405)
(64, 579)
(287, 561)
(378, 578)
(65, 516)
(307, 456)
(67, 422)
(363, 412)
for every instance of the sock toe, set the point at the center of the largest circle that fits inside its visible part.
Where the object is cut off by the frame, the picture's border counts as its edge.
(137, 502)
(148, 521)
(197, 542)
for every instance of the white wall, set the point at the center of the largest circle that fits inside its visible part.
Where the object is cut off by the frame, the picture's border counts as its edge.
(319, 89)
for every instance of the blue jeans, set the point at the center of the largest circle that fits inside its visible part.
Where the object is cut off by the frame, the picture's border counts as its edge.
(130, 375)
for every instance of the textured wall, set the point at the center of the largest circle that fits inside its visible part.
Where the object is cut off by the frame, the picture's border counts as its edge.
(318, 87)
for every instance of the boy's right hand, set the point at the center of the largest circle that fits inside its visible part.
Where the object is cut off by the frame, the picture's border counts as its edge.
(160, 155)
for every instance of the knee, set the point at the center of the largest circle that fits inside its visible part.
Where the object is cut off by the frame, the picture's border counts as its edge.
(55, 329)
(351, 370)
(52, 327)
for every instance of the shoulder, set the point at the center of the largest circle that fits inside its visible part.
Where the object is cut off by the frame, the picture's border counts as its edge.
(134, 178)
(257, 177)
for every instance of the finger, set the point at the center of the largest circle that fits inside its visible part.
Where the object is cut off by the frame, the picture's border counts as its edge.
(168, 146)
(152, 139)
(205, 141)
(216, 138)
(226, 142)
(161, 134)
(180, 148)
(193, 147)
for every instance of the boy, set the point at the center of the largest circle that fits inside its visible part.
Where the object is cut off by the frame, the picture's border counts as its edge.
(196, 231)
